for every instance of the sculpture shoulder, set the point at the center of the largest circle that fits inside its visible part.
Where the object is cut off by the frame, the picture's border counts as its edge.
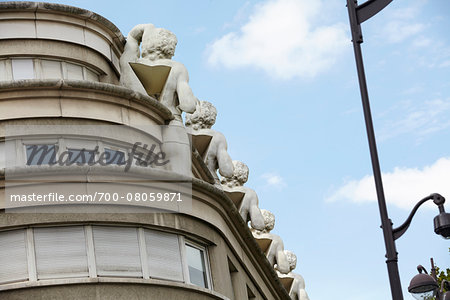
(218, 140)
(249, 192)
(276, 238)
(297, 276)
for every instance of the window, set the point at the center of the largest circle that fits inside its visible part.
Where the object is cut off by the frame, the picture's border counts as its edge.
(234, 279)
(13, 256)
(51, 69)
(60, 252)
(41, 154)
(196, 262)
(80, 156)
(117, 251)
(114, 157)
(36, 68)
(163, 255)
(22, 69)
(82, 251)
(73, 71)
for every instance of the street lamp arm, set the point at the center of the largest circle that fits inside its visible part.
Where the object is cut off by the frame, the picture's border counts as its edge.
(369, 9)
(399, 231)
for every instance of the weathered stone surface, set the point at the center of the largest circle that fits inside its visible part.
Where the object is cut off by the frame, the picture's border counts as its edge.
(297, 288)
(158, 47)
(275, 254)
(248, 208)
(200, 123)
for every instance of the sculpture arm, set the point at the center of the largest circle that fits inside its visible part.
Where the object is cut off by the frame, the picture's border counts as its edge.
(256, 216)
(134, 38)
(303, 295)
(186, 98)
(282, 261)
(223, 158)
(130, 54)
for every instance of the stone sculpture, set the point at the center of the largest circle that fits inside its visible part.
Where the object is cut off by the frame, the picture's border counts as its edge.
(200, 122)
(248, 209)
(275, 253)
(297, 290)
(158, 47)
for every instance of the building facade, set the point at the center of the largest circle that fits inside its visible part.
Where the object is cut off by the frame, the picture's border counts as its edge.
(60, 70)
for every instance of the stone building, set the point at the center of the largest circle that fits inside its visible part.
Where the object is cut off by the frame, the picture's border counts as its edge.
(60, 88)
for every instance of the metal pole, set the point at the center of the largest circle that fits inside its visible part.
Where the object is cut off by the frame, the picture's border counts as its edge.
(391, 253)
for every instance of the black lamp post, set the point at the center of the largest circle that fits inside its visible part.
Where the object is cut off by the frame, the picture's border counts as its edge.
(358, 14)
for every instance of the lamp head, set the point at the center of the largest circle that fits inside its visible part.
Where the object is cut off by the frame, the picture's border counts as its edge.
(423, 286)
(441, 221)
(442, 225)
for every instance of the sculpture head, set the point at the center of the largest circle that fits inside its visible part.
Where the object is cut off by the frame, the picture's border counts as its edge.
(269, 220)
(240, 175)
(292, 259)
(203, 117)
(158, 43)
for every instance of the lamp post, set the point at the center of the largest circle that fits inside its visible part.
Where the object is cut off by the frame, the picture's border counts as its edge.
(357, 15)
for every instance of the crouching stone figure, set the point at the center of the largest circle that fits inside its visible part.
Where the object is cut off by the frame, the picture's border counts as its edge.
(248, 209)
(297, 290)
(158, 47)
(217, 158)
(275, 253)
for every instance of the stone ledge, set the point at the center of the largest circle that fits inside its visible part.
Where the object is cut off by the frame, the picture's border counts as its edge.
(156, 282)
(66, 9)
(107, 88)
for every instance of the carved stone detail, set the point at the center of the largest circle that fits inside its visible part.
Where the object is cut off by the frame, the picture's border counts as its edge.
(217, 157)
(297, 288)
(275, 253)
(158, 47)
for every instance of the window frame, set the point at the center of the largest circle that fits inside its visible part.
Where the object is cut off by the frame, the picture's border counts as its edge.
(87, 72)
(204, 248)
(88, 229)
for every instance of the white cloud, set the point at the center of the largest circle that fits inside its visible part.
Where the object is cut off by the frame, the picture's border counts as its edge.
(419, 119)
(273, 179)
(403, 187)
(401, 23)
(281, 39)
(445, 64)
(398, 31)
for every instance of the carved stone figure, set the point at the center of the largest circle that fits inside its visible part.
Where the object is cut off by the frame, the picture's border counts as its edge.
(297, 290)
(158, 47)
(275, 253)
(248, 209)
(217, 156)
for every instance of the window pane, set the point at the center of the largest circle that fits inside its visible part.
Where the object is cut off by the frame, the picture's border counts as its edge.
(117, 251)
(51, 69)
(41, 154)
(163, 255)
(196, 264)
(81, 156)
(74, 72)
(114, 157)
(91, 76)
(22, 69)
(60, 252)
(13, 256)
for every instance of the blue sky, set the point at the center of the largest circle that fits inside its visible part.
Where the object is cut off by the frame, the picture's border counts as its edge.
(283, 78)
